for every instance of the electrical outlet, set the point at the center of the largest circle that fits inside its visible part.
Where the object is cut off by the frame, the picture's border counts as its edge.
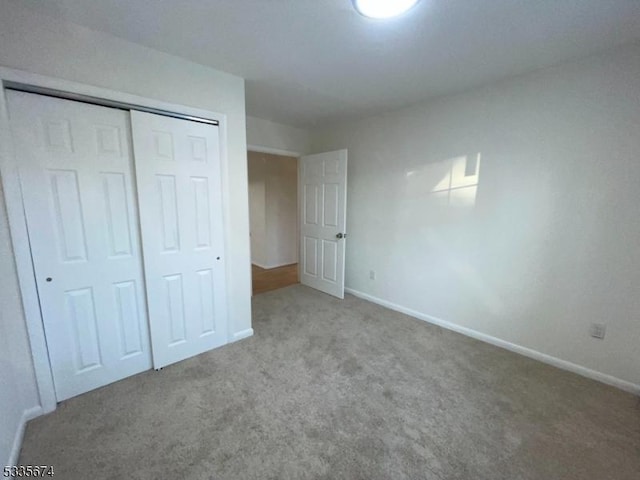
(598, 330)
(372, 274)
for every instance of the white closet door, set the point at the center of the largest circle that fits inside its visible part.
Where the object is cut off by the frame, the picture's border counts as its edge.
(323, 216)
(180, 201)
(75, 166)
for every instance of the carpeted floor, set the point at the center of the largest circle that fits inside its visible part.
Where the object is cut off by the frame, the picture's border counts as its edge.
(330, 389)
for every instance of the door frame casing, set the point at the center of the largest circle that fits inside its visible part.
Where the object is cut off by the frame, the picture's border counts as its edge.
(14, 201)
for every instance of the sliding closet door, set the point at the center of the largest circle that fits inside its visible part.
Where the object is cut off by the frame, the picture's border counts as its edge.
(180, 201)
(75, 164)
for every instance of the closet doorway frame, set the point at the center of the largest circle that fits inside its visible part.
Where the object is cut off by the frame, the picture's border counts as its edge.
(14, 79)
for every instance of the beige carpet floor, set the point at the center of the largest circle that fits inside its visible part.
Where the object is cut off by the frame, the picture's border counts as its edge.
(330, 389)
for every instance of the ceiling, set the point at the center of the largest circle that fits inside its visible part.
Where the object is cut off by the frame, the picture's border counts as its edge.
(309, 62)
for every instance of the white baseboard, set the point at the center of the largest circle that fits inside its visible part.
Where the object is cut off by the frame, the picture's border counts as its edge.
(527, 352)
(17, 439)
(242, 335)
(275, 265)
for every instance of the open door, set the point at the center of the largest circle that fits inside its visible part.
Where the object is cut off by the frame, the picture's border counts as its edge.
(323, 216)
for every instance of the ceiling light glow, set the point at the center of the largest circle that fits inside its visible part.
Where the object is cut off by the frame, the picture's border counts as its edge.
(383, 8)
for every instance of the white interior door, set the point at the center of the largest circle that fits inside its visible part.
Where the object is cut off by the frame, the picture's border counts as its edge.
(323, 215)
(75, 166)
(180, 200)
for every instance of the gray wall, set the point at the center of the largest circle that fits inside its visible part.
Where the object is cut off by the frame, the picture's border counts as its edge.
(548, 241)
(38, 44)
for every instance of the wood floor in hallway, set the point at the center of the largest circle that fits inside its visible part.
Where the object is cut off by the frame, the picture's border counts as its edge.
(265, 280)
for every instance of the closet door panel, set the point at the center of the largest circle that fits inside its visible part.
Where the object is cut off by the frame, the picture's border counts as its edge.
(76, 170)
(179, 192)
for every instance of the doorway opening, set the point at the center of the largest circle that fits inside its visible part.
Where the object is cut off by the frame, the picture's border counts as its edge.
(273, 214)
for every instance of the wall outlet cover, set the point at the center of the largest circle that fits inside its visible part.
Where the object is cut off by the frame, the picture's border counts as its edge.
(598, 330)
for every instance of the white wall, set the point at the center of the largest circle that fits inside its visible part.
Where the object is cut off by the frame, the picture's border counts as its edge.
(282, 210)
(42, 45)
(18, 394)
(273, 199)
(257, 208)
(276, 138)
(36, 43)
(549, 244)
